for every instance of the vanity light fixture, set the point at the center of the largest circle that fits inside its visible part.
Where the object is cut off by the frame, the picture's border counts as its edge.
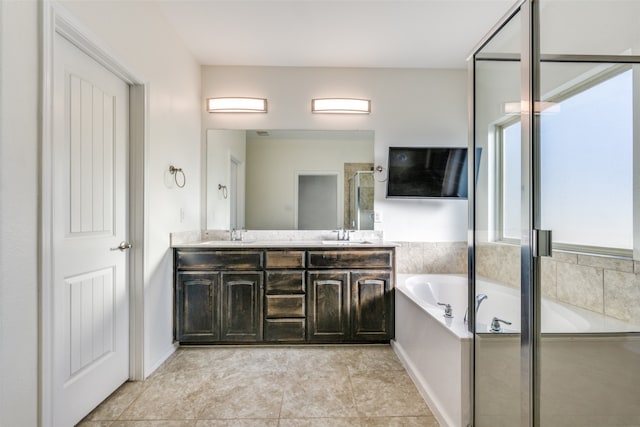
(341, 105)
(236, 105)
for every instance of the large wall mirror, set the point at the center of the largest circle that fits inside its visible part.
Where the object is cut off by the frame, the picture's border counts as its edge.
(289, 179)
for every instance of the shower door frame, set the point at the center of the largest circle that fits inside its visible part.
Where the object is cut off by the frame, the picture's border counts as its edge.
(356, 193)
(530, 252)
(529, 310)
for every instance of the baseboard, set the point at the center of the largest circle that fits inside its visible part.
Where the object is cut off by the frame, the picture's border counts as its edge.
(165, 355)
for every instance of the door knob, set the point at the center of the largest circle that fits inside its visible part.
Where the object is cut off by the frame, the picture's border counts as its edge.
(123, 246)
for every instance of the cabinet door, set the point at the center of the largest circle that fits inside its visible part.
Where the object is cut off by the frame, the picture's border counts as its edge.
(197, 307)
(370, 305)
(241, 306)
(328, 305)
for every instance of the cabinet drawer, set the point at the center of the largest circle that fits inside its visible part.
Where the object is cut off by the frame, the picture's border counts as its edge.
(351, 259)
(284, 330)
(284, 259)
(281, 306)
(285, 282)
(219, 260)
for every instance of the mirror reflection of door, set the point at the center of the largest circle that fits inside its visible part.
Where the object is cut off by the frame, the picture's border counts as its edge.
(318, 202)
(236, 220)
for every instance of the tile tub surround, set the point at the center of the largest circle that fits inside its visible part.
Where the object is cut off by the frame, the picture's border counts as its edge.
(604, 284)
(268, 386)
(431, 258)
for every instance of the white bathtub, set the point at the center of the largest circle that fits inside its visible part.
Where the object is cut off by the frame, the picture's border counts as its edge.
(437, 350)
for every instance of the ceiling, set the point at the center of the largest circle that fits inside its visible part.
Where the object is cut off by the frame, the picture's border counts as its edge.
(333, 33)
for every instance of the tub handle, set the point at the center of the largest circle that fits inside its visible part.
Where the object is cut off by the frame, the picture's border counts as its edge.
(448, 311)
(496, 326)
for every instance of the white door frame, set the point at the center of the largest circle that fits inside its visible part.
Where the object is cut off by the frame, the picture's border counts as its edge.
(54, 19)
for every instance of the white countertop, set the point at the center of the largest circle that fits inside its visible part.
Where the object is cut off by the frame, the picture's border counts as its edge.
(206, 244)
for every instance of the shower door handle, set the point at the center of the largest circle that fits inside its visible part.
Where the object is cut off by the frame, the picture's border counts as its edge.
(542, 243)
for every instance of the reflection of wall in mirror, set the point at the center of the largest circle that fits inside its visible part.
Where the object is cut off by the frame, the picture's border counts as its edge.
(272, 166)
(223, 146)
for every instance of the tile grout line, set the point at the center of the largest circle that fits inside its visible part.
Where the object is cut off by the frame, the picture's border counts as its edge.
(131, 403)
(284, 389)
(353, 396)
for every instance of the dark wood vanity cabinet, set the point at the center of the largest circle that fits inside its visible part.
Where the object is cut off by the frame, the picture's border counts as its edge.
(216, 299)
(353, 303)
(286, 296)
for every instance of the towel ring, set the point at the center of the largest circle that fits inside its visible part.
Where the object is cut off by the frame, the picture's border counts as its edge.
(175, 171)
(225, 193)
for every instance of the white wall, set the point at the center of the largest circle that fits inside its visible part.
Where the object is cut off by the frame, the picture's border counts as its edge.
(409, 107)
(140, 37)
(133, 31)
(18, 213)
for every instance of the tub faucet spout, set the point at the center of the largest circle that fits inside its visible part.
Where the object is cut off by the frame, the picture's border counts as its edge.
(479, 299)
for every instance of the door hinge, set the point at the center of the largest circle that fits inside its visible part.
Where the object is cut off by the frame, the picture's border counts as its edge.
(542, 243)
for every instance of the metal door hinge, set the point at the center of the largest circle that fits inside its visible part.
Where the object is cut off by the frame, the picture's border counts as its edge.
(542, 243)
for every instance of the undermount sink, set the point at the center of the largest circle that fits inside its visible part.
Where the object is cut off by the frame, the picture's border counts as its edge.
(346, 242)
(226, 242)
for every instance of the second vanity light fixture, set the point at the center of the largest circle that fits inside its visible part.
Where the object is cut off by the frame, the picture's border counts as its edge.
(236, 105)
(341, 106)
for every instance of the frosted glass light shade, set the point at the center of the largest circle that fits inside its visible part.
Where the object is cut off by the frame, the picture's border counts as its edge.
(512, 108)
(341, 106)
(236, 105)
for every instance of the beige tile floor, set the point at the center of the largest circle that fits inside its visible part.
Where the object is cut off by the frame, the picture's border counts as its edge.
(310, 386)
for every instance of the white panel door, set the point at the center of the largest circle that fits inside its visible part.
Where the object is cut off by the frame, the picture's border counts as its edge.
(90, 168)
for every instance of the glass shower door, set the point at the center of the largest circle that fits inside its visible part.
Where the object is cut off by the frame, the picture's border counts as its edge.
(559, 129)
(494, 305)
(588, 181)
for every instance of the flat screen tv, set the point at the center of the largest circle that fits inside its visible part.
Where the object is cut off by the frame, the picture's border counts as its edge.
(427, 172)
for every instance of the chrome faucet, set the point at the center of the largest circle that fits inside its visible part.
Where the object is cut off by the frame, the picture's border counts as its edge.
(479, 299)
(496, 326)
(448, 311)
(236, 234)
(343, 234)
